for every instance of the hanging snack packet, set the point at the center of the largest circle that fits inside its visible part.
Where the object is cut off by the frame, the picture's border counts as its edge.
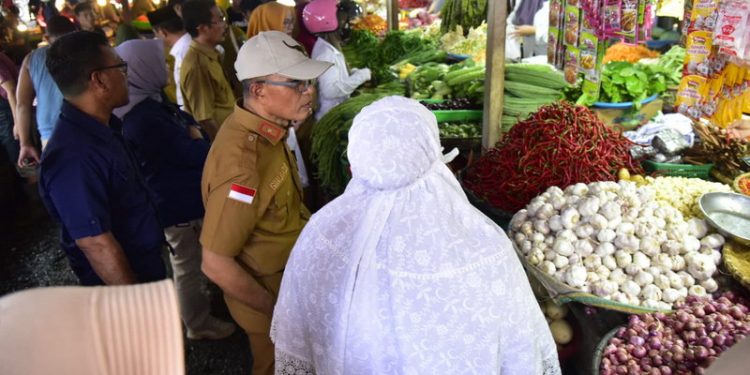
(730, 27)
(556, 17)
(703, 15)
(571, 65)
(612, 17)
(685, 28)
(689, 95)
(552, 41)
(645, 20)
(699, 45)
(629, 20)
(592, 80)
(588, 55)
(572, 25)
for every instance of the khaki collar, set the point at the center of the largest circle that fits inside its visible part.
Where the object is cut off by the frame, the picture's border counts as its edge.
(212, 53)
(254, 123)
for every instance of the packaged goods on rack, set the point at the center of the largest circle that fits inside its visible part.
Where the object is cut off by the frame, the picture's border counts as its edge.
(715, 76)
(579, 29)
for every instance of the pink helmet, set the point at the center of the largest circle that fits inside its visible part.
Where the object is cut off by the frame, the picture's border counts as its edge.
(319, 16)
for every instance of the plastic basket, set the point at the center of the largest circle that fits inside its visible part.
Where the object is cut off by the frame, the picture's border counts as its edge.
(599, 350)
(458, 115)
(461, 115)
(678, 170)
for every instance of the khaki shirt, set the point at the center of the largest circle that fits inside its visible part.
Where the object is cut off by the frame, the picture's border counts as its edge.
(205, 90)
(252, 194)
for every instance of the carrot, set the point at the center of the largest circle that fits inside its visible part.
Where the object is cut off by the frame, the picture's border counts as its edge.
(628, 52)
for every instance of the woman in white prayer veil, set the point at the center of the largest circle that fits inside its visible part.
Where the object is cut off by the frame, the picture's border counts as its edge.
(401, 275)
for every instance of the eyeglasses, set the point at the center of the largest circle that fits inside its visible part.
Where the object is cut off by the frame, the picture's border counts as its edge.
(222, 20)
(123, 66)
(300, 86)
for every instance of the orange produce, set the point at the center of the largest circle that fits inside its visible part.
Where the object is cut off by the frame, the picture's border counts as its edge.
(628, 52)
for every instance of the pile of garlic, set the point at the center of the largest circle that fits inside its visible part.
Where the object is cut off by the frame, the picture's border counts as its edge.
(615, 240)
(683, 193)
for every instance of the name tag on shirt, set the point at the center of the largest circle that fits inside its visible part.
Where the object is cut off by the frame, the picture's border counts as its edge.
(242, 194)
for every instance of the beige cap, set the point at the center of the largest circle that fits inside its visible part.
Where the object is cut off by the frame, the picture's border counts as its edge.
(274, 52)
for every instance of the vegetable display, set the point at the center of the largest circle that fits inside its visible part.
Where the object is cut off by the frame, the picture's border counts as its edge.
(528, 87)
(628, 52)
(371, 22)
(440, 81)
(330, 139)
(460, 130)
(365, 50)
(458, 103)
(474, 44)
(686, 342)
(467, 13)
(624, 81)
(559, 145)
(614, 240)
(555, 314)
(683, 193)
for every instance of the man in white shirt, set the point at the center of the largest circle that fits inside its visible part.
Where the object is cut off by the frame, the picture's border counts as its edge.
(180, 46)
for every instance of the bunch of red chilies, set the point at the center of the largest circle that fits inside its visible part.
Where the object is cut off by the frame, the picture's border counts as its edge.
(559, 145)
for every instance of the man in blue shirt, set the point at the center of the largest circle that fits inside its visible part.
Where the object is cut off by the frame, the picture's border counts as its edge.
(88, 178)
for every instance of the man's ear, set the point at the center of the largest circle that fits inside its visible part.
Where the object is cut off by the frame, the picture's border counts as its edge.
(257, 90)
(202, 29)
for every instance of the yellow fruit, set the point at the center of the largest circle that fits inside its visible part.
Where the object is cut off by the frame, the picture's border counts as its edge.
(623, 174)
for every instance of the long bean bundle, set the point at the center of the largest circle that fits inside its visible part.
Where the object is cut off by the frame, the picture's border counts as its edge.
(330, 138)
(559, 145)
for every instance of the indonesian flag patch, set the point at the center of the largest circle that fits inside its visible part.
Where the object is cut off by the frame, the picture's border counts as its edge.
(242, 194)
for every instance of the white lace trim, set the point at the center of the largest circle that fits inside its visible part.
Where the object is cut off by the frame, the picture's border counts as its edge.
(287, 364)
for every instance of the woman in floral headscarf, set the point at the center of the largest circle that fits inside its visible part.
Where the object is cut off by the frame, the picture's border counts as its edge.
(401, 275)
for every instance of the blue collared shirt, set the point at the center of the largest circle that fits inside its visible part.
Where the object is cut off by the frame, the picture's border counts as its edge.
(90, 185)
(171, 162)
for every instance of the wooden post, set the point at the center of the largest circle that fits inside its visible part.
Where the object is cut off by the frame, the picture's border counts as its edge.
(494, 83)
(393, 10)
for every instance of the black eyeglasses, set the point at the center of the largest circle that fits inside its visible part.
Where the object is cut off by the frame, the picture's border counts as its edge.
(299, 85)
(123, 66)
(222, 20)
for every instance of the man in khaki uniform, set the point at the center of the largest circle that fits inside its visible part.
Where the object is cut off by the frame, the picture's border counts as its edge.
(206, 92)
(251, 188)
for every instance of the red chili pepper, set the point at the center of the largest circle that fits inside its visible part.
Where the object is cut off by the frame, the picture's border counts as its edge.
(559, 145)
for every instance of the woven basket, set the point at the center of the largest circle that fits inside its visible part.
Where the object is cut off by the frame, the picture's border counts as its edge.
(562, 293)
(737, 261)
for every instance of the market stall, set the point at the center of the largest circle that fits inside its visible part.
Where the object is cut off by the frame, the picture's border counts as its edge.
(618, 168)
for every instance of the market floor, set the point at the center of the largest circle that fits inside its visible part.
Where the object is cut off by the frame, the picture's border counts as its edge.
(31, 257)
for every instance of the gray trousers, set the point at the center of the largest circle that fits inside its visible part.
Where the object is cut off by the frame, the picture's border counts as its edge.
(189, 280)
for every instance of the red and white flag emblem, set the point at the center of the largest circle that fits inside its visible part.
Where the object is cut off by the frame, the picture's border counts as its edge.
(242, 193)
